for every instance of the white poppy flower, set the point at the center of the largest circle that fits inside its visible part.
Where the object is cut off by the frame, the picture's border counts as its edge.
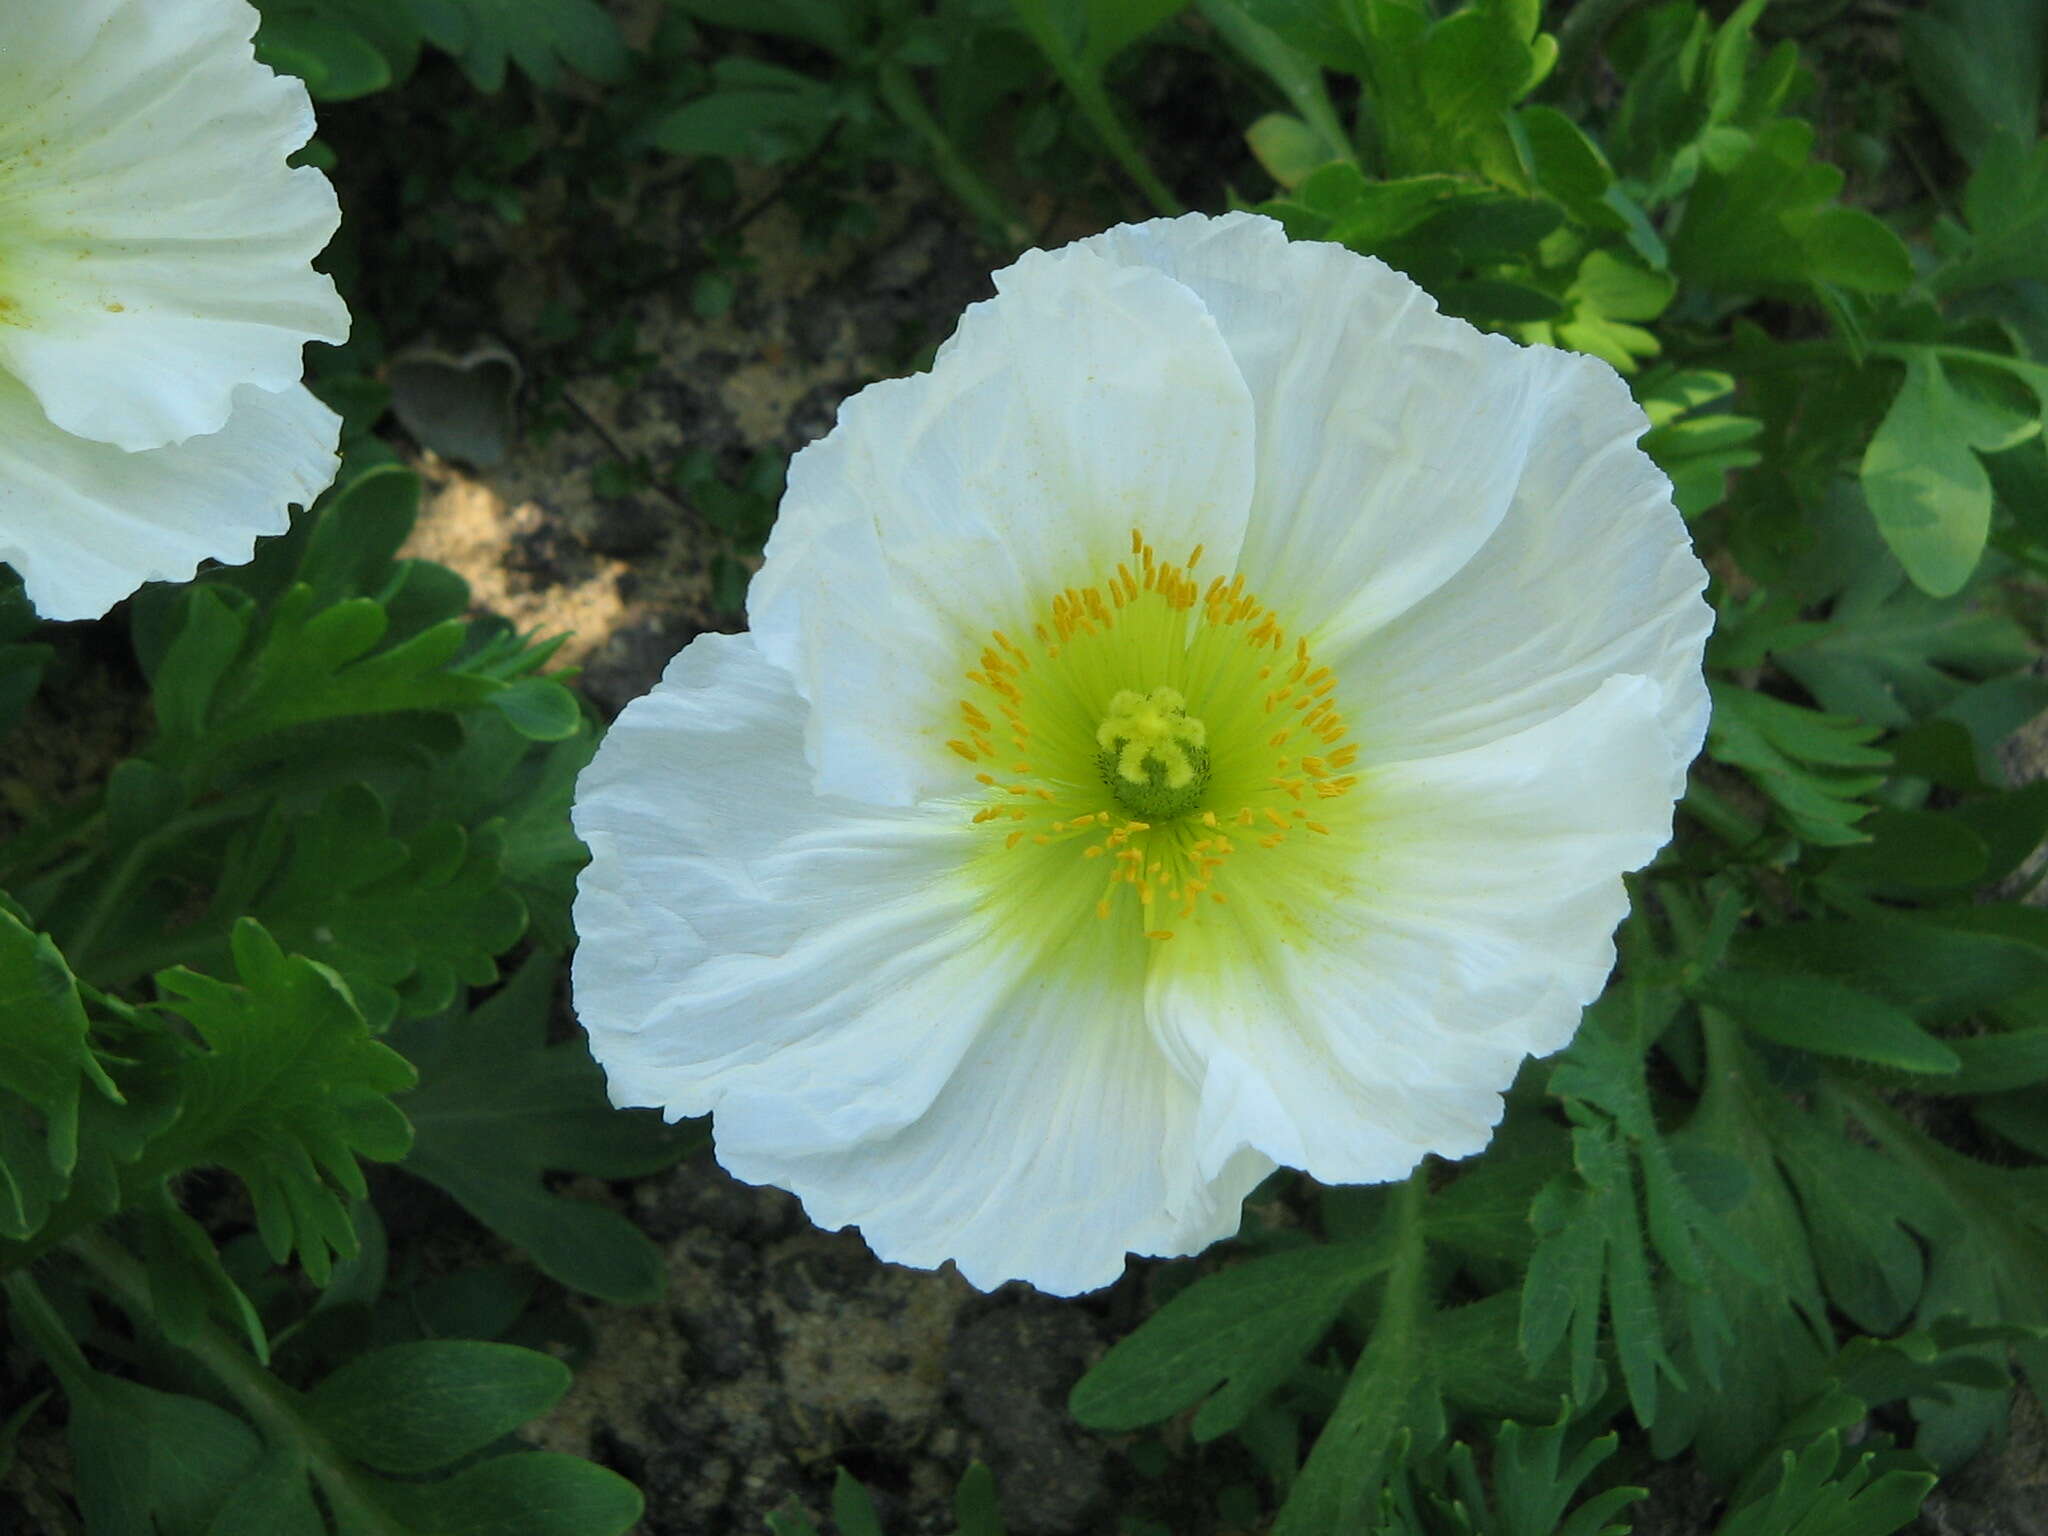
(155, 295)
(1200, 725)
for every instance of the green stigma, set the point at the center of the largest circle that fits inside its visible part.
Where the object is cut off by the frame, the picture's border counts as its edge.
(1155, 756)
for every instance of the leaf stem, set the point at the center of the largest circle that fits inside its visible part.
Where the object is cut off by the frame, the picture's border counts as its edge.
(79, 944)
(271, 1405)
(1101, 114)
(900, 94)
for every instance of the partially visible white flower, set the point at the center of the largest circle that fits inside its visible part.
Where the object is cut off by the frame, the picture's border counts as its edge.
(155, 295)
(1201, 725)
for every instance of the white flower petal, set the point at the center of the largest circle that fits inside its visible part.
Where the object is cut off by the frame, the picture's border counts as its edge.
(818, 973)
(731, 917)
(1061, 1141)
(1363, 1021)
(1083, 402)
(154, 245)
(86, 524)
(1591, 574)
(1390, 437)
(1466, 524)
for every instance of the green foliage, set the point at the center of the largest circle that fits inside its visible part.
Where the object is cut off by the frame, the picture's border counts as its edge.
(346, 48)
(355, 801)
(1532, 1489)
(1821, 1492)
(853, 1512)
(497, 1108)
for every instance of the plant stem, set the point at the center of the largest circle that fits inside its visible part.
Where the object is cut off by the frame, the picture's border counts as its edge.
(1101, 114)
(900, 93)
(271, 1405)
(79, 944)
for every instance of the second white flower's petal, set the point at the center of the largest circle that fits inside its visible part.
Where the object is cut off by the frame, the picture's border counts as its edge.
(1356, 1015)
(1062, 1141)
(1083, 401)
(1591, 574)
(733, 923)
(1465, 525)
(86, 524)
(1391, 438)
(820, 974)
(154, 245)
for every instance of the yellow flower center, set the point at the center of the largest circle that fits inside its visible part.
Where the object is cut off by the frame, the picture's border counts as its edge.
(1150, 741)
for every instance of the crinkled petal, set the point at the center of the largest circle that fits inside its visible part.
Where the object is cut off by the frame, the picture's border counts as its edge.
(154, 245)
(1591, 575)
(1465, 524)
(86, 524)
(820, 974)
(1372, 1014)
(1083, 401)
(1061, 1142)
(1390, 438)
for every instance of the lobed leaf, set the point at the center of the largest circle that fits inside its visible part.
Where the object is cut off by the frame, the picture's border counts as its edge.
(1242, 1330)
(497, 1108)
(288, 1092)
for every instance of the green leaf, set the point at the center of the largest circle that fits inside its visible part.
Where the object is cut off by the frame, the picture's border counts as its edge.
(2006, 204)
(768, 126)
(416, 1407)
(1980, 92)
(1870, 1262)
(1590, 1244)
(974, 1503)
(1111, 26)
(1287, 147)
(1766, 218)
(539, 708)
(188, 1285)
(1914, 852)
(1467, 1347)
(1757, 1353)
(46, 1062)
(497, 1109)
(528, 1493)
(541, 36)
(352, 545)
(405, 921)
(1935, 969)
(288, 1092)
(1242, 1330)
(852, 1510)
(1530, 1485)
(145, 1461)
(272, 1499)
(1813, 1498)
(208, 636)
(1925, 486)
(500, 778)
(1818, 769)
(1391, 1402)
(1812, 1013)
(825, 23)
(336, 62)
(1889, 653)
